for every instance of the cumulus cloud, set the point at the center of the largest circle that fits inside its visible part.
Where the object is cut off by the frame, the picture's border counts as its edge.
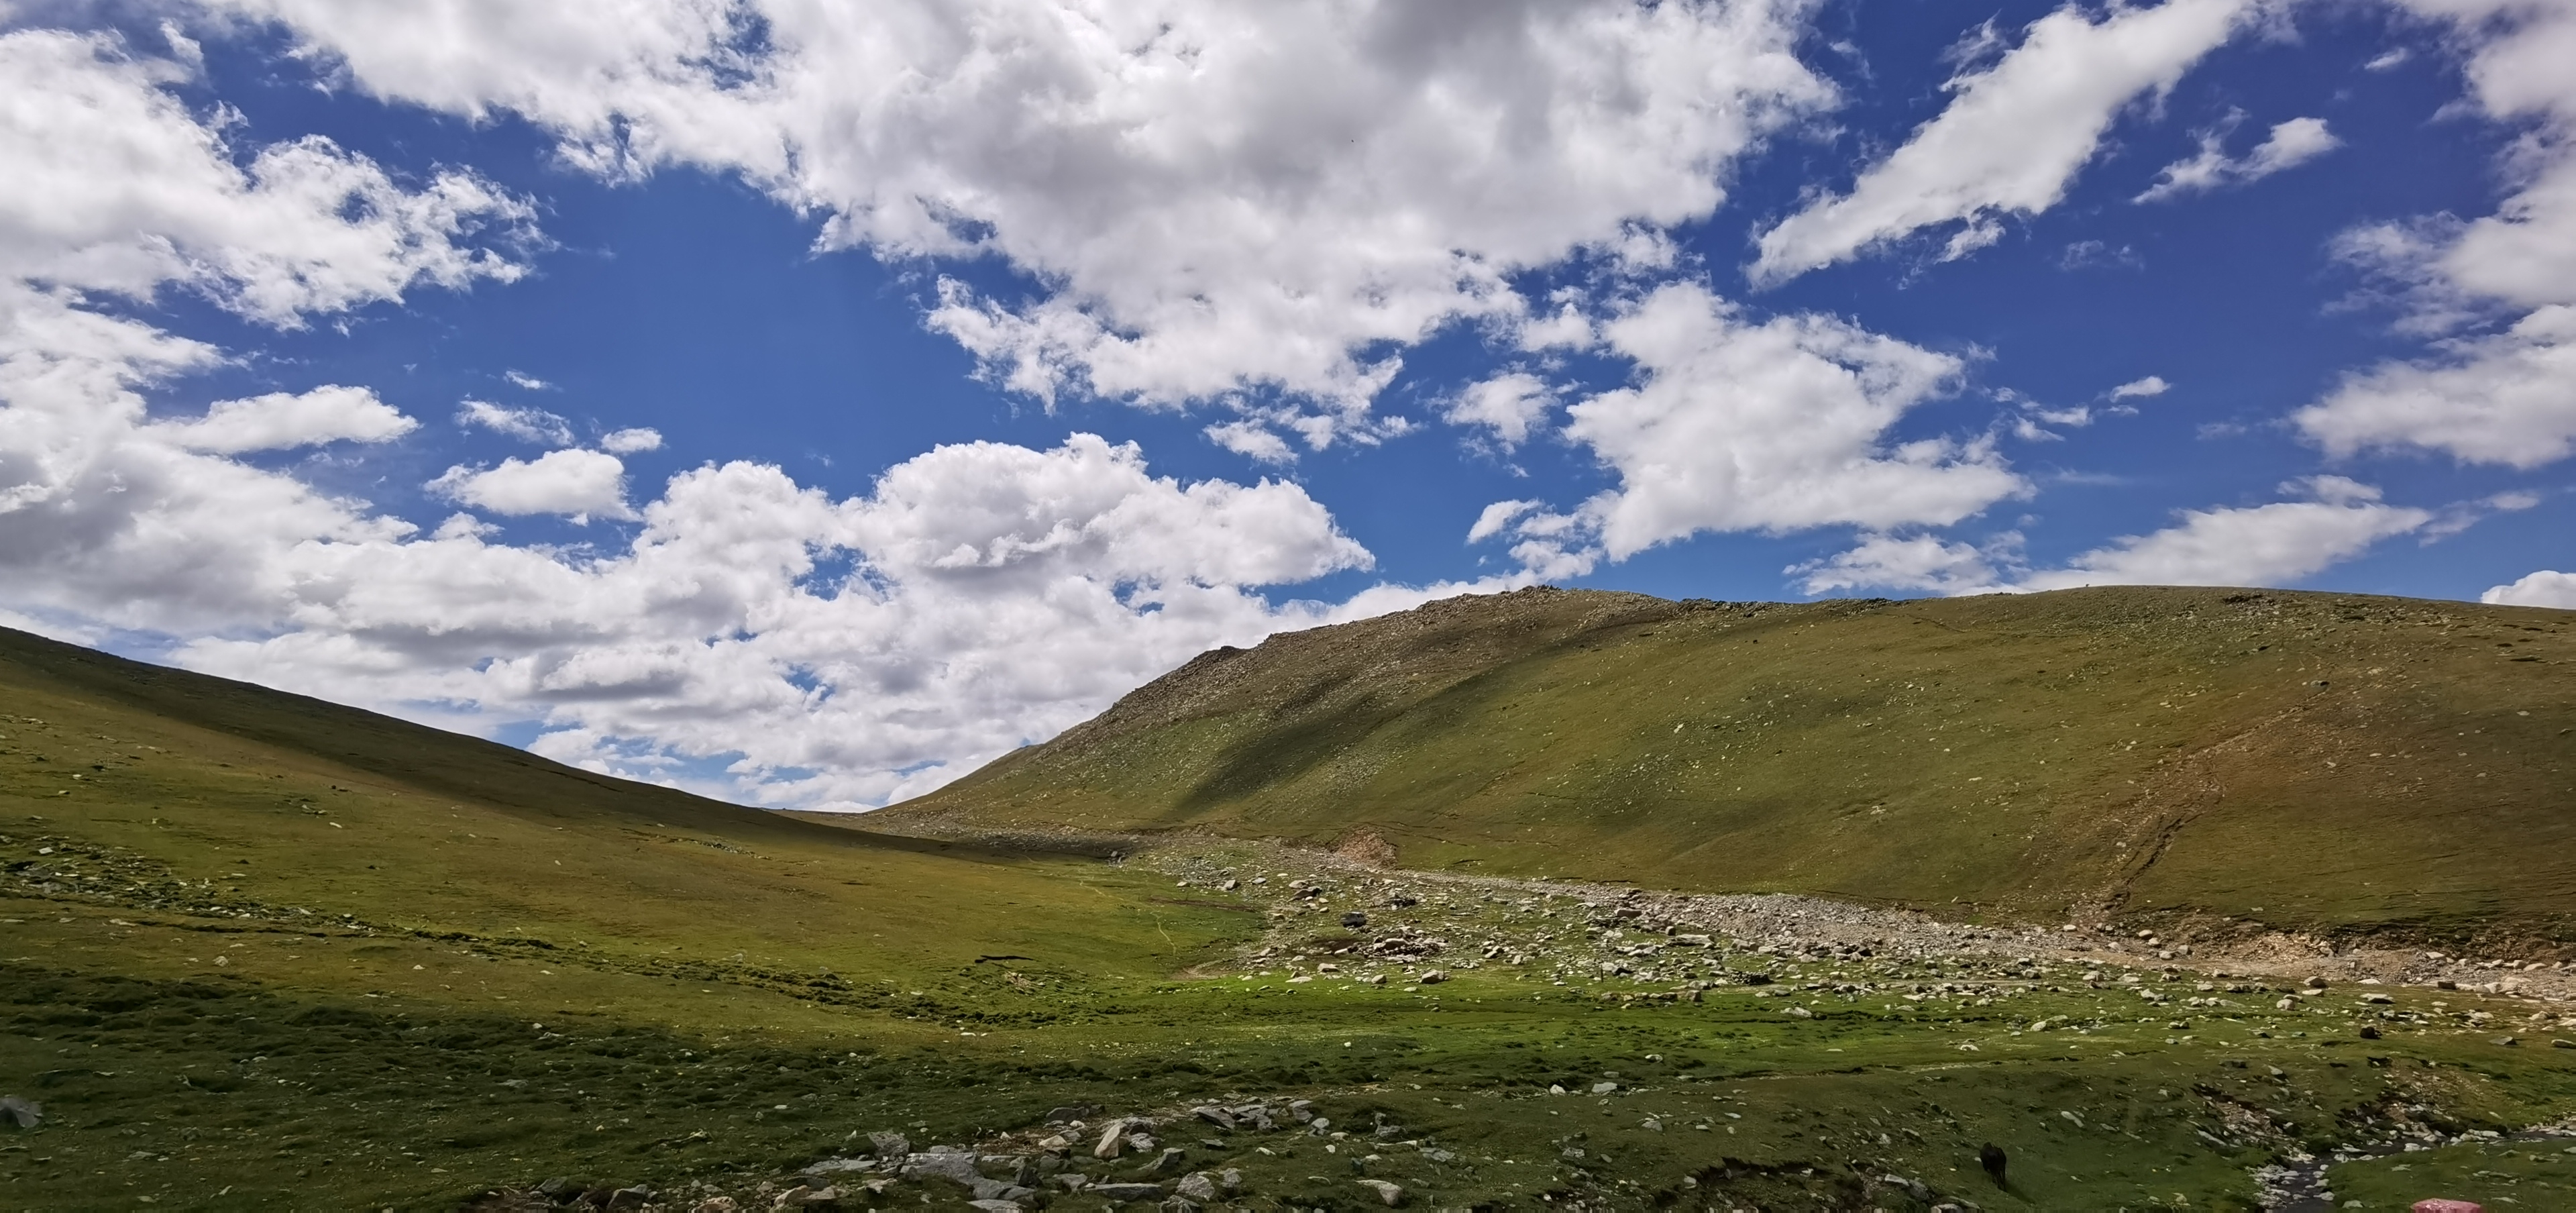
(283, 420)
(114, 186)
(2270, 545)
(631, 441)
(526, 425)
(2291, 144)
(2506, 399)
(2011, 138)
(1510, 405)
(834, 652)
(1922, 563)
(2152, 385)
(2454, 273)
(2277, 544)
(1734, 425)
(1212, 196)
(573, 482)
(1772, 426)
(978, 597)
(2546, 588)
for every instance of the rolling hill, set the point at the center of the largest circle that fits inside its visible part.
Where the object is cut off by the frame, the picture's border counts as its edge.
(2332, 763)
(260, 952)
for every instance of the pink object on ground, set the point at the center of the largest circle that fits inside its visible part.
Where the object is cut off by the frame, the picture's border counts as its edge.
(2449, 1206)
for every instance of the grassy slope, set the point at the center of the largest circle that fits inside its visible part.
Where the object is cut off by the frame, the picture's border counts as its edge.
(2317, 761)
(447, 965)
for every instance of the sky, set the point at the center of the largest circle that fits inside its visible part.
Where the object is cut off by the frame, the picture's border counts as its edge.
(806, 403)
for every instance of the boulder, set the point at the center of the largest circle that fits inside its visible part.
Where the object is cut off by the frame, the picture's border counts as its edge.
(1112, 1138)
(959, 1167)
(1118, 1192)
(23, 1113)
(1355, 920)
(1391, 1193)
(1198, 1186)
(1214, 1115)
(890, 1146)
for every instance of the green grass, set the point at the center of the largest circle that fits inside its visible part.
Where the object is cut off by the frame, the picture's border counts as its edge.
(271, 954)
(2319, 762)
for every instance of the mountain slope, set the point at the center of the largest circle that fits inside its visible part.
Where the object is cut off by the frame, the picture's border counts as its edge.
(2316, 761)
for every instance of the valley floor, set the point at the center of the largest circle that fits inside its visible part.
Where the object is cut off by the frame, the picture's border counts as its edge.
(1294, 1031)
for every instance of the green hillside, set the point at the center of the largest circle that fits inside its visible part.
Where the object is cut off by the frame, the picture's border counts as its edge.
(259, 952)
(2326, 762)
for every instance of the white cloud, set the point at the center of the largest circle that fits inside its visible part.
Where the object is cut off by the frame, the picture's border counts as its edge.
(527, 382)
(574, 482)
(283, 420)
(114, 186)
(2507, 399)
(2266, 545)
(2546, 588)
(1919, 562)
(1215, 196)
(1510, 404)
(1252, 440)
(2152, 385)
(979, 597)
(837, 652)
(526, 425)
(1776, 426)
(1496, 517)
(2276, 544)
(2291, 144)
(628, 442)
(2012, 137)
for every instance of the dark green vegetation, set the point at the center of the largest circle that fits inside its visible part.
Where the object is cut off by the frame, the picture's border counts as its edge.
(2318, 762)
(258, 952)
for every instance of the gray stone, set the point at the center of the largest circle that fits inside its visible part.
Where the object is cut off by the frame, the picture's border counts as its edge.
(1196, 1186)
(837, 1166)
(25, 1114)
(998, 1189)
(997, 1206)
(630, 1198)
(1391, 1193)
(1230, 1180)
(1169, 1159)
(1117, 1192)
(1112, 1139)
(959, 1167)
(1214, 1115)
(1073, 1181)
(1072, 1112)
(890, 1145)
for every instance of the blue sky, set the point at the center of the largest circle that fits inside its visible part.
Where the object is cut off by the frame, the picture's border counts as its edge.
(806, 409)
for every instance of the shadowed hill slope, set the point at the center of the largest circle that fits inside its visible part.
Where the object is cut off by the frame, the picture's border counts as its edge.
(2326, 762)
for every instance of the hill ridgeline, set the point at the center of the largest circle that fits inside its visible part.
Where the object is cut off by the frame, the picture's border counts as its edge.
(2329, 763)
